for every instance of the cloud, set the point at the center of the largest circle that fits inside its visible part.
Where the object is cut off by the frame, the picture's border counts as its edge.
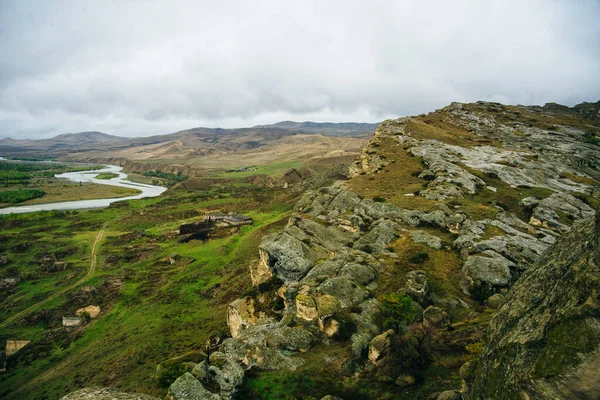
(150, 67)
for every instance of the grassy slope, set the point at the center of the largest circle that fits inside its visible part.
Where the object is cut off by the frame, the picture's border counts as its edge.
(163, 310)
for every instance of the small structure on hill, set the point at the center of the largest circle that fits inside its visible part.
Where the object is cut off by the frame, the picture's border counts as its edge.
(3, 259)
(71, 322)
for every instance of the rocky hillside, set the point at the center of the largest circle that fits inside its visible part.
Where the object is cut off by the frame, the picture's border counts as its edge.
(383, 285)
(550, 323)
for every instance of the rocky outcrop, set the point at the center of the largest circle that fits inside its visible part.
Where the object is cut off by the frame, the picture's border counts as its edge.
(544, 342)
(92, 311)
(435, 317)
(241, 314)
(498, 193)
(186, 387)
(379, 348)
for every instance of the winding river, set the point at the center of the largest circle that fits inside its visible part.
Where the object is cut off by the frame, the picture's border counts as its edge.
(89, 176)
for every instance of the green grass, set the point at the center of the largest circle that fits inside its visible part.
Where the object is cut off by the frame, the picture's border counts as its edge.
(106, 175)
(273, 169)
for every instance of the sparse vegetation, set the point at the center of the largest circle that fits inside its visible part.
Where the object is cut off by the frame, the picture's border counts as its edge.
(106, 175)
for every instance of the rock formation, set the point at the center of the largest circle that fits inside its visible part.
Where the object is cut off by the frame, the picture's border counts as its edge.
(323, 268)
(544, 343)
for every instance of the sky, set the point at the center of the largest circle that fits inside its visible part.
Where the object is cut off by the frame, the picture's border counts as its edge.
(138, 68)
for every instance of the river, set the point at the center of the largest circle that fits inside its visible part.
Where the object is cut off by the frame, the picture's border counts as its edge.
(88, 176)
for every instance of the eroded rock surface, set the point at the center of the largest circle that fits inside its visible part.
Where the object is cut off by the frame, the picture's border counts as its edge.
(550, 323)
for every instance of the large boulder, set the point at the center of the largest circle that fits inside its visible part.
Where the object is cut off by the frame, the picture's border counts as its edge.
(288, 258)
(186, 387)
(306, 307)
(381, 234)
(288, 338)
(416, 285)
(345, 290)
(241, 314)
(426, 239)
(544, 342)
(379, 348)
(435, 317)
(489, 268)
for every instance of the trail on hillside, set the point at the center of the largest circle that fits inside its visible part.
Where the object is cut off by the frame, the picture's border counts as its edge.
(64, 290)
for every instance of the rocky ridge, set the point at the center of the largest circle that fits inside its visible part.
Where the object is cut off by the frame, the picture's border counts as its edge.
(493, 186)
(322, 270)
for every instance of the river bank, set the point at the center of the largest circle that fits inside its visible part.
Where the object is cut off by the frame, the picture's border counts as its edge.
(89, 177)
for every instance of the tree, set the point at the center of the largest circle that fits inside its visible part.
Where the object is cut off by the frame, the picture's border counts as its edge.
(396, 312)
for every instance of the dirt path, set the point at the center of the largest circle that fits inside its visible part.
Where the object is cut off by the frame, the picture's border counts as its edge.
(60, 292)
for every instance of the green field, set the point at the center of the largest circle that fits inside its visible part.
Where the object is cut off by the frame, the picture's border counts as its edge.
(170, 298)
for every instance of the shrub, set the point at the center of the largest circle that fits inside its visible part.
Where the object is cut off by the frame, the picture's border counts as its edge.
(419, 258)
(396, 312)
(169, 374)
(19, 195)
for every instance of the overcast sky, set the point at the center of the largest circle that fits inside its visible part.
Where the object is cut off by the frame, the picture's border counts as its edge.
(134, 68)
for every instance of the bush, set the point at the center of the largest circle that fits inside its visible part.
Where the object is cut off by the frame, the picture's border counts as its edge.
(419, 258)
(169, 374)
(396, 312)
(590, 137)
(19, 195)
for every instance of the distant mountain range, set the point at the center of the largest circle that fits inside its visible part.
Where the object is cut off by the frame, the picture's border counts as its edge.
(241, 138)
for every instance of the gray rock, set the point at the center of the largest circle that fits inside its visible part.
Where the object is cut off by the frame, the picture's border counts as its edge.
(405, 381)
(494, 301)
(435, 317)
(289, 258)
(416, 285)
(490, 269)
(382, 233)
(295, 339)
(449, 395)
(186, 387)
(361, 273)
(427, 239)
(345, 290)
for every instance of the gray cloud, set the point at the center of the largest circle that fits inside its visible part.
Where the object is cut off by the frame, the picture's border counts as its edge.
(149, 67)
